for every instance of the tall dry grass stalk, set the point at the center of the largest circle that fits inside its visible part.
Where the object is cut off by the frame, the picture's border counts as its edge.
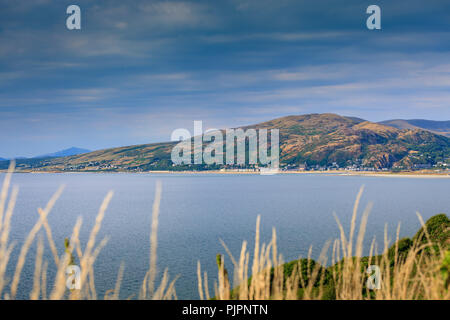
(61, 261)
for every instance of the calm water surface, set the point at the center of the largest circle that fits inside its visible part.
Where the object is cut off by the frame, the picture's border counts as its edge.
(199, 209)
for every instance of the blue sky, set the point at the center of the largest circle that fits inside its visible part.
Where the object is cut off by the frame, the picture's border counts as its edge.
(140, 69)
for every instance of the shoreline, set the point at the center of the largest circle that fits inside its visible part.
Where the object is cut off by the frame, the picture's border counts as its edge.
(406, 174)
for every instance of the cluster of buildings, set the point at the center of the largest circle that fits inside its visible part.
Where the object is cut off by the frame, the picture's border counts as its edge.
(360, 167)
(357, 166)
(90, 166)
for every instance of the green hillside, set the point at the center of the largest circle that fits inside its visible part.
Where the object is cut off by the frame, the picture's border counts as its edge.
(313, 139)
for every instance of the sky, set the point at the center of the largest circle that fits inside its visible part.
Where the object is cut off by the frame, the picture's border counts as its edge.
(137, 70)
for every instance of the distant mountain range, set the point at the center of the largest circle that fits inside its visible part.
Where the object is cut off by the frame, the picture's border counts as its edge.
(312, 139)
(63, 153)
(438, 127)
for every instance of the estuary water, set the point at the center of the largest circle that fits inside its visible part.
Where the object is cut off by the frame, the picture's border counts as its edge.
(197, 210)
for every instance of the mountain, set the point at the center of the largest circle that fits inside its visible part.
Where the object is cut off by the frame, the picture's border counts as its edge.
(438, 127)
(321, 139)
(313, 139)
(64, 153)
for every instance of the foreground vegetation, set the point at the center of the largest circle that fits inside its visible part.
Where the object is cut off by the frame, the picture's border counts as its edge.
(416, 268)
